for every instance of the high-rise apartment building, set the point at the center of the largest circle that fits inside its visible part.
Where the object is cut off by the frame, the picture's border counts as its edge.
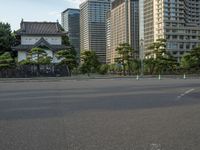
(124, 26)
(71, 23)
(93, 26)
(178, 21)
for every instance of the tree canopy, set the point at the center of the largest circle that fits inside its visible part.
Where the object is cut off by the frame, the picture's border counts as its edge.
(125, 55)
(90, 62)
(158, 59)
(6, 61)
(68, 57)
(6, 37)
(191, 60)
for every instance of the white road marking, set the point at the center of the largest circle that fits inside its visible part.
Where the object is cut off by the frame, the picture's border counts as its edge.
(185, 93)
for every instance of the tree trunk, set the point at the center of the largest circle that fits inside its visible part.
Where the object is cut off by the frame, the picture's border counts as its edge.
(124, 69)
(38, 70)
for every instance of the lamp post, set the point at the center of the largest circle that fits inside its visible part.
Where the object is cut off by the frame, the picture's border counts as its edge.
(142, 56)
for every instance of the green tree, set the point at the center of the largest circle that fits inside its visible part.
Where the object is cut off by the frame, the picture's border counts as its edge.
(90, 62)
(157, 49)
(191, 60)
(37, 56)
(6, 61)
(149, 65)
(135, 66)
(125, 53)
(65, 38)
(195, 53)
(104, 69)
(6, 37)
(158, 59)
(68, 58)
(186, 62)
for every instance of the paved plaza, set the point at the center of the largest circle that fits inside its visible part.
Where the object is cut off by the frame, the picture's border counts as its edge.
(100, 114)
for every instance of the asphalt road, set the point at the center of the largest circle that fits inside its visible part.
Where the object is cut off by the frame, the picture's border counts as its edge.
(102, 114)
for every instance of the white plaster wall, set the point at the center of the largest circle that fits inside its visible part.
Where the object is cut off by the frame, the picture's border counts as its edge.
(21, 55)
(55, 60)
(54, 40)
(49, 53)
(31, 40)
(53, 55)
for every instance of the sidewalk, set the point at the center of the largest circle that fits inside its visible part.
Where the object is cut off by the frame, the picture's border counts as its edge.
(85, 77)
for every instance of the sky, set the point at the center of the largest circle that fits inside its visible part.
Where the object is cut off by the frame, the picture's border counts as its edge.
(12, 11)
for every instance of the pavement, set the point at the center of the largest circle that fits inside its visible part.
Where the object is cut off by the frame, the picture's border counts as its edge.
(100, 114)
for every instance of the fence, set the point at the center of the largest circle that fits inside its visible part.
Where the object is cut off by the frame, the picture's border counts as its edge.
(27, 71)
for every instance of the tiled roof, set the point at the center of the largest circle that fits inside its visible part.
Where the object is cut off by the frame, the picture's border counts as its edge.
(40, 28)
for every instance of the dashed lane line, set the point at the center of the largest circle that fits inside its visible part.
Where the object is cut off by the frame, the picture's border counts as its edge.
(185, 93)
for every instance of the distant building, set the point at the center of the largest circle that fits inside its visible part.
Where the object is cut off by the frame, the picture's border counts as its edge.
(47, 35)
(71, 24)
(93, 26)
(178, 21)
(141, 26)
(108, 38)
(124, 26)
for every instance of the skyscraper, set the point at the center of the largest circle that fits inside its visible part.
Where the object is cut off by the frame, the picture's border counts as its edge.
(141, 25)
(124, 26)
(108, 38)
(71, 24)
(178, 21)
(93, 26)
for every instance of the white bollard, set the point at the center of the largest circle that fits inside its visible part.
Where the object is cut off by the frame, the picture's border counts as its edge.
(184, 76)
(159, 77)
(137, 78)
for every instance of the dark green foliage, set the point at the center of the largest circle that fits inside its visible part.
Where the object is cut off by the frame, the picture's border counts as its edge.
(125, 53)
(6, 61)
(90, 63)
(6, 37)
(68, 58)
(135, 66)
(38, 56)
(65, 40)
(104, 69)
(158, 59)
(191, 60)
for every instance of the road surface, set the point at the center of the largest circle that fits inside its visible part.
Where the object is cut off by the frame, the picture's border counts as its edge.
(101, 114)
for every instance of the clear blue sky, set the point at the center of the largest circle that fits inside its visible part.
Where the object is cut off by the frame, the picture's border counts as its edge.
(12, 11)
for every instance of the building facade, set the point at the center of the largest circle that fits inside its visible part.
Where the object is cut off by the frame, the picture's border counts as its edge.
(178, 21)
(47, 35)
(124, 28)
(108, 38)
(141, 26)
(71, 23)
(93, 26)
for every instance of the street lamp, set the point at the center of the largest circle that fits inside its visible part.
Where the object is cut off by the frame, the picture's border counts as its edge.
(142, 56)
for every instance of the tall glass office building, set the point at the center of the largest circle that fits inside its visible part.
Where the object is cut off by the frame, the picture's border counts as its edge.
(71, 24)
(93, 26)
